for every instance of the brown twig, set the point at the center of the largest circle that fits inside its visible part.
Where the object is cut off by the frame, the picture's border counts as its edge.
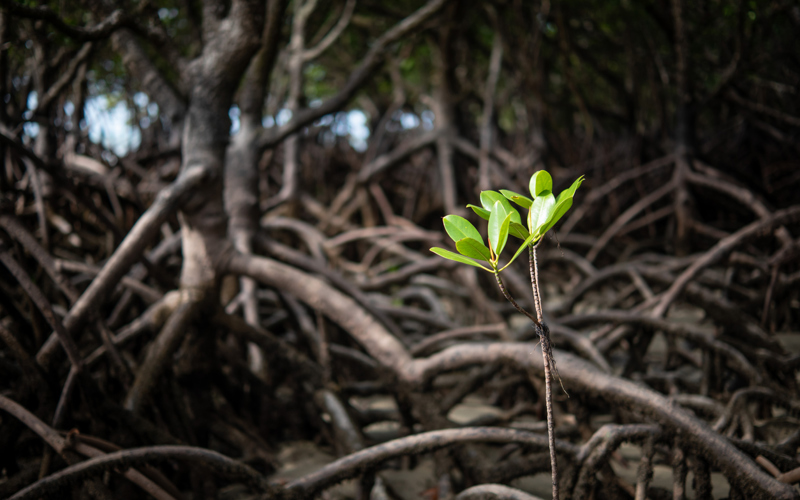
(358, 76)
(549, 363)
(351, 465)
(126, 254)
(38, 298)
(160, 353)
(722, 248)
(17, 231)
(62, 445)
(209, 459)
(495, 492)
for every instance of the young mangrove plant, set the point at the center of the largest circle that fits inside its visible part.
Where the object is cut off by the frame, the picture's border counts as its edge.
(544, 210)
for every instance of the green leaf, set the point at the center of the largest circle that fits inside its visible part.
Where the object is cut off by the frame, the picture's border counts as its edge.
(563, 203)
(447, 254)
(540, 182)
(570, 191)
(518, 231)
(522, 247)
(503, 237)
(517, 198)
(482, 213)
(498, 228)
(540, 213)
(558, 212)
(473, 248)
(489, 198)
(459, 228)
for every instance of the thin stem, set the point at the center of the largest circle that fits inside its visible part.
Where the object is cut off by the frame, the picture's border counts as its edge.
(547, 357)
(549, 365)
(534, 270)
(40, 301)
(66, 394)
(514, 302)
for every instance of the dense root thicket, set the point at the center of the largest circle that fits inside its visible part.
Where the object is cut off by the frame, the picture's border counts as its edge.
(162, 333)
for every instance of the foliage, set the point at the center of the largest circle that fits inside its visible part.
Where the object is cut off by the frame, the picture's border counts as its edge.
(544, 211)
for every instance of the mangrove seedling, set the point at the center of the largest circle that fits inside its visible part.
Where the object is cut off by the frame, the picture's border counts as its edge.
(544, 210)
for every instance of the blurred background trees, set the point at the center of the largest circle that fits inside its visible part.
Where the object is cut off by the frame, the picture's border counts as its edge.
(332, 136)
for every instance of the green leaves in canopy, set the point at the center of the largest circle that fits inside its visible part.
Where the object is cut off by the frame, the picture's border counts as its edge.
(498, 228)
(541, 182)
(459, 228)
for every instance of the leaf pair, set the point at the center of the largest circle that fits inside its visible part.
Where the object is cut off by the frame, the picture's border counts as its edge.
(488, 200)
(468, 240)
(469, 243)
(546, 210)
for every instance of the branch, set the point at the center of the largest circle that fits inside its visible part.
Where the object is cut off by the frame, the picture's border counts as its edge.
(600, 192)
(301, 260)
(718, 251)
(353, 464)
(276, 348)
(343, 310)
(583, 377)
(60, 445)
(712, 178)
(495, 61)
(495, 492)
(322, 46)
(160, 353)
(736, 359)
(578, 374)
(128, 252)
(398, 154)
(67, 77)
(597, 449)
(146, 292)
(17, 231)
(217, 462)
(760, 108)
(41, 302)
(368, 65)
(626, 216)
(513, 302)
(32, 422)
(152, 318)
(99, 31)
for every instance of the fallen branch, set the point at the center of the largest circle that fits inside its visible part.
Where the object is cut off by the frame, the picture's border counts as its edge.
(358, 462)
(577, 374)
(718, 251)
(494, 492)
(212, 460)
